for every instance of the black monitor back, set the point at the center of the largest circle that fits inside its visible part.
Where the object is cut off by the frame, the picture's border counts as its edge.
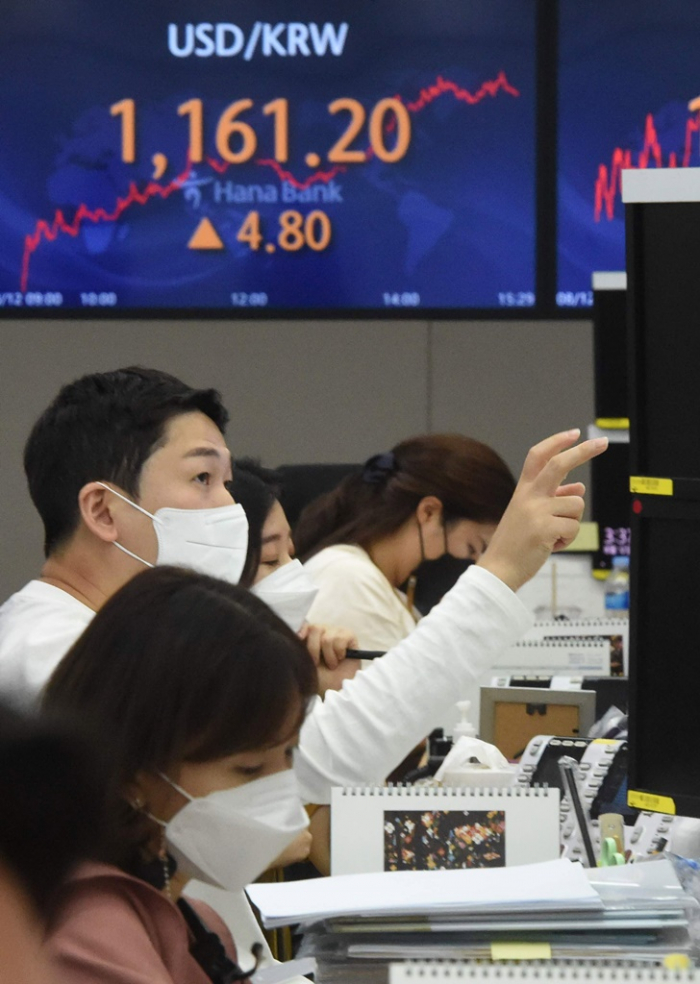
(663, 266)
(665, 652)
(610, 353)
(610, 504)
(664, 296)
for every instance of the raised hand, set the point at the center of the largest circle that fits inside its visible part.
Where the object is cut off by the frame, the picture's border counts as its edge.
(543, 515)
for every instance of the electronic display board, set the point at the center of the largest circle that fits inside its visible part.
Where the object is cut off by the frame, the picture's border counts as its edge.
(628, 88)
(240, 155)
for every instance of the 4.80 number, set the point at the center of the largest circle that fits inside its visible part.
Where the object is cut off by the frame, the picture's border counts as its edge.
(295, 231)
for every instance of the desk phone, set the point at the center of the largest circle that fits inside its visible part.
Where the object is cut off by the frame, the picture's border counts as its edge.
(603, 784)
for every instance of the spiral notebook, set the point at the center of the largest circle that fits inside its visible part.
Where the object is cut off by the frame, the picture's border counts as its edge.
(565, 650)
(551, 971)
(614, 631)
(423, 828)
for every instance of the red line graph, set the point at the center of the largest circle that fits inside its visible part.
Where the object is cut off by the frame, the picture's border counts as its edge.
(441, 86)
(608, 184)
(325, 176)
(49, 231)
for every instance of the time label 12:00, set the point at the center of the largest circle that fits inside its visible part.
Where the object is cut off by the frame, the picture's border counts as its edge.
(236, 140)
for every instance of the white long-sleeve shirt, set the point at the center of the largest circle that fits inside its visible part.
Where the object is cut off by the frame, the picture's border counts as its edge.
(358, 734)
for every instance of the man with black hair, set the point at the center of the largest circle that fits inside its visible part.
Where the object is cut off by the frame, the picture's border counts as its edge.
(129, 468)
(107, 443)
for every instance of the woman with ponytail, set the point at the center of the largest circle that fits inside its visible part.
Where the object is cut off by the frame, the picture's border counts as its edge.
(435, 497)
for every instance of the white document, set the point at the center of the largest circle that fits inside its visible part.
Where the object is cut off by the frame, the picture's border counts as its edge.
(421, 828)
(648, 885)
(551, 885)
(291, 972)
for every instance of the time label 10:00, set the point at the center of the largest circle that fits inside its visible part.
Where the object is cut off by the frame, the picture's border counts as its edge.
(236, 140)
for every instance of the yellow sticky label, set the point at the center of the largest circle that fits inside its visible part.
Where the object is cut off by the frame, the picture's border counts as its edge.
(651, 486)
(605, 741)
(521, 951)
(613, 423)
(587, 539)
(677, 961)
(648, 801)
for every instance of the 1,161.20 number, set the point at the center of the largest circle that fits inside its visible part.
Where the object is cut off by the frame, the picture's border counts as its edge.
(237, 141)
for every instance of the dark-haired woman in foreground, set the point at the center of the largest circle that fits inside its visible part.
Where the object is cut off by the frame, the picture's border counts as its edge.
(49, 818)
(175, 670)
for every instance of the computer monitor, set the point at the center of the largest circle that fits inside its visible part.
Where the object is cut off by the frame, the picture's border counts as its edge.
(663, 257)
(626, 85)
(611, 502)
(610, 348)
(664, 665)
(664, 287)
(261, 159)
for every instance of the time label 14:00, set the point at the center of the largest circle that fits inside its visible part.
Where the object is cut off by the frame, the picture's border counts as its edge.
(236, 140)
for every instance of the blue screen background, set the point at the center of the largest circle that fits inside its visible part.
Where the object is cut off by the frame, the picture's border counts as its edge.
(620, 63)
(452, 225)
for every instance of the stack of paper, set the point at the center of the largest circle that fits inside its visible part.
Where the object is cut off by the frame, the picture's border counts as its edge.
(546, 887)
(355, 925)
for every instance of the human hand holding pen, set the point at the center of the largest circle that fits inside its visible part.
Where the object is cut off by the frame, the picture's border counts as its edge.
(543, 515)
(327, 644)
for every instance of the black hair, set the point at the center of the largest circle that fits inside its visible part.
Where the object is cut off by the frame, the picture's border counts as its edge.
(49, 813)
(469, 478)
(257, 489)
(103, 427)
(177, 667)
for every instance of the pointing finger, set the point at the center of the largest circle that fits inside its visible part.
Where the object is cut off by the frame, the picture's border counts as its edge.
(558, 467)
(540, 454)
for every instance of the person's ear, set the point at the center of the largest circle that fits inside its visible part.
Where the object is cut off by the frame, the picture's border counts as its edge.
(154, 794)
(134, 795)
(144, 789)
(429, 510)
(96, 506)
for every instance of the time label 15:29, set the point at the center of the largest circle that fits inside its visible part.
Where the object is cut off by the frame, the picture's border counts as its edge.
(237, 141)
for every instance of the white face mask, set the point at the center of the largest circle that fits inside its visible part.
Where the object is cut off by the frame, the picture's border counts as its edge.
(210, 541)
(230, 837)
(289, 591)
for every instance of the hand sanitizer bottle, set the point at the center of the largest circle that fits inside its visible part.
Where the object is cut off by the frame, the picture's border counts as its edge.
(464, 728)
